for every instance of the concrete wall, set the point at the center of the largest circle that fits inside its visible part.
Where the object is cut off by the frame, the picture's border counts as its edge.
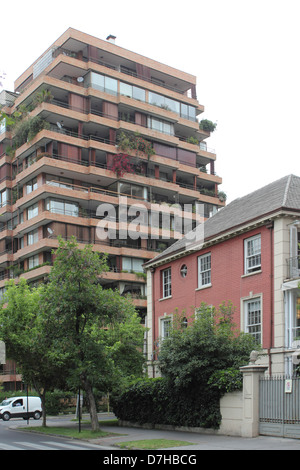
(231, 407)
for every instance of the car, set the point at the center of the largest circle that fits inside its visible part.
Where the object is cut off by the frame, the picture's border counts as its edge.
(21, 407)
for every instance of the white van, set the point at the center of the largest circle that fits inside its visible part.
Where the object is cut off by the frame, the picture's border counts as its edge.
(16, 407)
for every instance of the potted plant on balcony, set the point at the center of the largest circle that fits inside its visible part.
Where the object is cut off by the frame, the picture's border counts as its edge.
(222, 196)
(207, 125)
(43, 96)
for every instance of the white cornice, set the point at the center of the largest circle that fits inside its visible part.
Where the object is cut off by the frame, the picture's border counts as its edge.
(235, 231)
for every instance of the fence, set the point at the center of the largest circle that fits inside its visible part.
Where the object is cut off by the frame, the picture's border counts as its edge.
(279, 406)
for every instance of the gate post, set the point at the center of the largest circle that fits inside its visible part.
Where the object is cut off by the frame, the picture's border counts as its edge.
(251, 374)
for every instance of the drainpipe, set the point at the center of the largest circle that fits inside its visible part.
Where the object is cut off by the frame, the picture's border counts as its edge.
(152, 270)
(270, 226)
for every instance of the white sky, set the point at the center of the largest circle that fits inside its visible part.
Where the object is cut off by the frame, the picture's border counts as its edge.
(244, 53)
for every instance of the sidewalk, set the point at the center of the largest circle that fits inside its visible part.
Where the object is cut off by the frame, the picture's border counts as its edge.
(197, 441)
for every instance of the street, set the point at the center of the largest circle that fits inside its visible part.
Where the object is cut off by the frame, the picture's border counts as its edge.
(13, 438)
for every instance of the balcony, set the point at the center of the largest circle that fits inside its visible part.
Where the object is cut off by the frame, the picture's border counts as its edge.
(113, 63)
(294, 267)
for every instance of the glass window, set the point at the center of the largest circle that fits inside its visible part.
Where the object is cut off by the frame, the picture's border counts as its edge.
(126, 263)
(165, 327)
(33, 237)
(204, 270)
(125, 188)
(138, 93)
(31, 185)
(168, 128)
(4, 197)
(164, 102)
(59, 181)
(32, 211)
(253, 318)
(71, 209)
(3, 126)
(292, 311)
(183, 270)
(137, 191)
(111, 86)
(156, 99)
(126, 89)
(192, 113)
(132, 190)
(252, 254)
(62, 207)
(184, 111)
(132, 91)
(55, 206)
(160, 126)
(172, 105)
(155, 124)
(137, 265)
(33, 261)
(132, 264)
(2, 292)
(187, 112)
(97, 81)
(166, 281)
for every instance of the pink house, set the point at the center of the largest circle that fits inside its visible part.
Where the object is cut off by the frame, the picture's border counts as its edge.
(249, 255)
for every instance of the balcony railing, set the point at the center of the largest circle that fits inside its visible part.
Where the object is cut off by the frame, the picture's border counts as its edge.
(146, 174)
(294, 267)
(111, 66)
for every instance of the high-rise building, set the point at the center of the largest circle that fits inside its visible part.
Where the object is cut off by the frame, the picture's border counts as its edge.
(99, 129)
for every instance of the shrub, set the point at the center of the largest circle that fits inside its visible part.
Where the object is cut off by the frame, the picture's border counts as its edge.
(198, 364)
(207, 125)
(121, 165)
(27, 129)
(156, 401)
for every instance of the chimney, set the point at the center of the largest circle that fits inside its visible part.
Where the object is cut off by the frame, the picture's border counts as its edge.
(111, 38)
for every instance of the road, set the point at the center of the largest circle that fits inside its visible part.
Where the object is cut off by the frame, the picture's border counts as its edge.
(13, 438)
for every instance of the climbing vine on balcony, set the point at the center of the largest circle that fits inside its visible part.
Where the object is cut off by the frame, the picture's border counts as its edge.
(121, 165)
(128, 142)
(24, 127)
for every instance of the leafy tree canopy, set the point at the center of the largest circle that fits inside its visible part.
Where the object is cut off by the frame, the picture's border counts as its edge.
(70, 331)
(211, 343)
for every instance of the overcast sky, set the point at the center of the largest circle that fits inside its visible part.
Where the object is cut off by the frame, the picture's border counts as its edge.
(244, 53)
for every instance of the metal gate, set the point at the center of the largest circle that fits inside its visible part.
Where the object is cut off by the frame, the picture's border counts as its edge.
(279, 406)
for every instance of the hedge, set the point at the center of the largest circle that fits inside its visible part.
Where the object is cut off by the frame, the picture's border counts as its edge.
(155, 401)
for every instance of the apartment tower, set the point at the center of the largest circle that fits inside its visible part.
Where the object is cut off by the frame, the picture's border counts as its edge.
(97, 126)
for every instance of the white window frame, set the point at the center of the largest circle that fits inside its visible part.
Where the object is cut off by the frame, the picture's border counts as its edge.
(252, 254)
(31, 185)
(32, 211)
(204, 270)
(166, 283)
(292, 325)
(251, 326)
(33, 261)
(165, 326)
(32, 237)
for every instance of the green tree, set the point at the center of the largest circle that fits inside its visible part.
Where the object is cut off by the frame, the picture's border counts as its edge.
(211, 343)
(199, 362)
(81, 316)
(24, 331)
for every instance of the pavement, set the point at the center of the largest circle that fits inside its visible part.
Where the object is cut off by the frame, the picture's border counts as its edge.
(197, 441)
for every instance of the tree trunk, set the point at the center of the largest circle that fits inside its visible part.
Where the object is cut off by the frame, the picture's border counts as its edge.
(43, 398)
(92, 405)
